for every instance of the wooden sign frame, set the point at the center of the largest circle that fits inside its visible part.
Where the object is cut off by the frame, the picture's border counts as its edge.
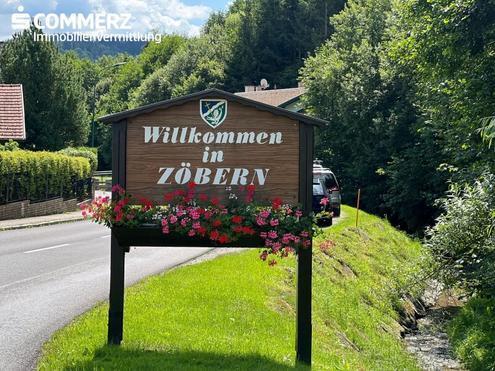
(123, 238)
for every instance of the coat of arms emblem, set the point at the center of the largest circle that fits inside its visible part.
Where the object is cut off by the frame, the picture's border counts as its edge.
(213, 111)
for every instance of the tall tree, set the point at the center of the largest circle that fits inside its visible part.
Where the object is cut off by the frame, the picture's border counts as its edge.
(54, 99)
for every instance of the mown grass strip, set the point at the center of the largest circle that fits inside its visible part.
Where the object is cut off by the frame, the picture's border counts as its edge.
(236, 313)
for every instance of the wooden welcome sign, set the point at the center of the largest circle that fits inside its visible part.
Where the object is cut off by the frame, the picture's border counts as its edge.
(221, 142)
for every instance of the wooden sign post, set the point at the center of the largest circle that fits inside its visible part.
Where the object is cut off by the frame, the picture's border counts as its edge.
(221, 142)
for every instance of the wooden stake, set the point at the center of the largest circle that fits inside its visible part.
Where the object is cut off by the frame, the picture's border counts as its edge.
(357, 206)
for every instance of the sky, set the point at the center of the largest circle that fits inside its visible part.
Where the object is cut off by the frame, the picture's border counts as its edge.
(170, 16)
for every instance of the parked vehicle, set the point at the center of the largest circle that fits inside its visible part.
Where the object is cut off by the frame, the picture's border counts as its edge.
(322, 210)
(331, 185)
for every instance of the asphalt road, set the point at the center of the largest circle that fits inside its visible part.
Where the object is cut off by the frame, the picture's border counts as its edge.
(49, 275)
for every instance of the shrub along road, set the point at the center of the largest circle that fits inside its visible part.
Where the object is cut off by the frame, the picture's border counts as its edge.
(49, 275)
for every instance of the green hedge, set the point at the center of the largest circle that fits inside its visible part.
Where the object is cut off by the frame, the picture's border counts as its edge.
(41, 175)
(87, 152)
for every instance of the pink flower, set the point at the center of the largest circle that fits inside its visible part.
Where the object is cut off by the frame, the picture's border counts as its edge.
(196, 225)
(324, 201)
(265, 214)
(263, 235)
(260, 221)
(299, 213)
(184, 221)
(191, 233)
(276, 246)
(274, 222)
(272, 235)
(165, 230)
(173, 219)
(263, 255)
(164, 222)
(304, 234)
(194, 214)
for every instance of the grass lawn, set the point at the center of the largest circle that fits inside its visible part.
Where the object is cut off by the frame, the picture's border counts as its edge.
(236, 313)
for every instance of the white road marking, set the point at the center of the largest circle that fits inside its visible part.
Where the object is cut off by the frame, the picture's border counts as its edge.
(108, 235)
(47, 248)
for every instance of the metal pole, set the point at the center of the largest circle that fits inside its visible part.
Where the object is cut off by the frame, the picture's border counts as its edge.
(93, 119)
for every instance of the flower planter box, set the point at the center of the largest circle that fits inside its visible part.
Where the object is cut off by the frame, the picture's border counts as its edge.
(152, 235)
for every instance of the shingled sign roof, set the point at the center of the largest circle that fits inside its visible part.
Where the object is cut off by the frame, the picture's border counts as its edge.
(213, 93)
(12, 123)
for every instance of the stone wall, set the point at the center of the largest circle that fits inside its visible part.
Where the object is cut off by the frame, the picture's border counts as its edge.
(26, 209)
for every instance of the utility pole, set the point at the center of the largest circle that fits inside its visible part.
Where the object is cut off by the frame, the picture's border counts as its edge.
(326, 20)
(94, 105)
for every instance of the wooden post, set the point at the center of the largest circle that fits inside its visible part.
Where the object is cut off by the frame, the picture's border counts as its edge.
(116, 308)
(357, 206)
(304, 264)
(117, 252)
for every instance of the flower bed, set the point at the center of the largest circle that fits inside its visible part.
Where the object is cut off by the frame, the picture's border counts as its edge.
(190, 219)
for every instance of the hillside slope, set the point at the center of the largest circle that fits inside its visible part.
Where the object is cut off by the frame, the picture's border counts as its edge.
(235, 312)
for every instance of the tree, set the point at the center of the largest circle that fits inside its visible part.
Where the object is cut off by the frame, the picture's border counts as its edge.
(375, 139)
(54, 100)
(449, 46)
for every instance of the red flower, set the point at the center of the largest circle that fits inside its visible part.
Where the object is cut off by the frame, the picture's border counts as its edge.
(203, 197)
(169, 196)
(223, 239)
(215, 201)
(117, 188)
(191, 185)
(216, 223)
(237, 219)
(272, 262)
(180, 192)
(250, 187)
(248, 230)
(214, 234)
(238, 229)
(201, 231)
(276, 203)
(147, 204)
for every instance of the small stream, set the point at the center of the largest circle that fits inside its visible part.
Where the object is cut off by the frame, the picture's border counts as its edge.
(426, 337)
(430, 344)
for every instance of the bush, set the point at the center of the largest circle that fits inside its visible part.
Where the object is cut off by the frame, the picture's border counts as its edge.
(41, 175)
(11, 145)
(473, 335)
(87, 152)
(463, 240)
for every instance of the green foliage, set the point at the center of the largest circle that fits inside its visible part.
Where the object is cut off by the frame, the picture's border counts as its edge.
(372, 139)
(10, 145)
(273, 36)
(472, 334)
(54, 100)
(463, 240)
(39, 175)
(450, 49)
(91, 154)
(236, 313)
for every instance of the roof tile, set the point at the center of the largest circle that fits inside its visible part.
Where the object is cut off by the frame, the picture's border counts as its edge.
(12, 122)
